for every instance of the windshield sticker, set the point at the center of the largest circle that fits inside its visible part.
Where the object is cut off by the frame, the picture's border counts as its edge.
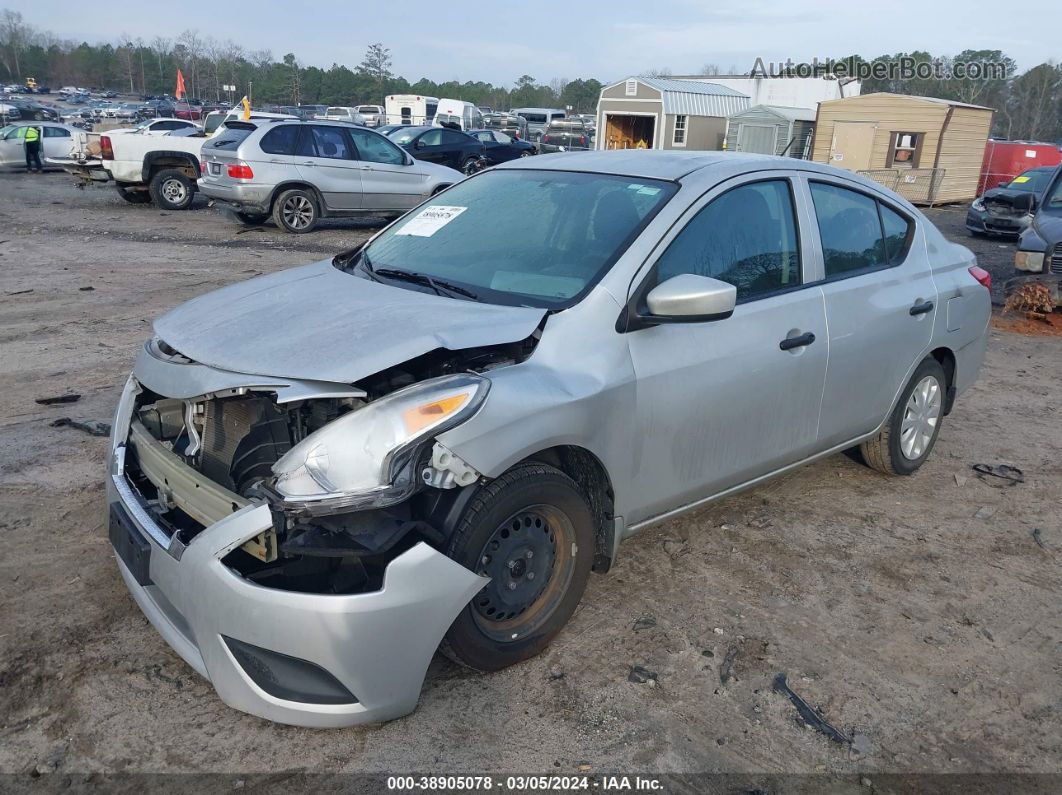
(430, 220)
(1021, 179)
(645, 190)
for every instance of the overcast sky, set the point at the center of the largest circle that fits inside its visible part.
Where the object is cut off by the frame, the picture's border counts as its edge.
(499, 40)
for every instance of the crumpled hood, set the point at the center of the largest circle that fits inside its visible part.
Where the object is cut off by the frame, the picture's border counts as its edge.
(317, 322)
(1049, 227)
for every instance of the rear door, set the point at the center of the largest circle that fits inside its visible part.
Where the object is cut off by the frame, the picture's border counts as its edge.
(327, 161)
(388, 181)
(880, 301)
(429, 146)
(56, 142)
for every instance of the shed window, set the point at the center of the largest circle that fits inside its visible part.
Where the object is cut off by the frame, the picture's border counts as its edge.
(632, 88)
(680, 131)
(906, 147)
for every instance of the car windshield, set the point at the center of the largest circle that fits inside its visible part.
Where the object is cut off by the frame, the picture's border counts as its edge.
(1031, 181)
(522, 237)
(403, 135)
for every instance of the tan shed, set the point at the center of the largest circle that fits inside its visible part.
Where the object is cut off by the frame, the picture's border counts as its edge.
(927, 150)
(660, 113)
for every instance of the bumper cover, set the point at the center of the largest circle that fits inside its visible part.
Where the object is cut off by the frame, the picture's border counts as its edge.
(376, 645)
(239, 197)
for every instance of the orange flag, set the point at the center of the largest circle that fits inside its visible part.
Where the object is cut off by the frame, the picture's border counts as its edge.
(180, 92)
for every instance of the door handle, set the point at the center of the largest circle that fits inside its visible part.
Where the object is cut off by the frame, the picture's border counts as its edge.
(797, 342)
(922, 308)
(309, 163)
(366, 168)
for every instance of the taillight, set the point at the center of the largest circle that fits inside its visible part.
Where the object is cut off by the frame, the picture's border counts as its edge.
(106, 150)
(983, 276)
(240, 171)
(545, 139)
(582, 140)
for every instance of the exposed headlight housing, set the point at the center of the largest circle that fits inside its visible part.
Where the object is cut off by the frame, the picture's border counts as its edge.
(1031, 261)
(363, 458)
(978, 204)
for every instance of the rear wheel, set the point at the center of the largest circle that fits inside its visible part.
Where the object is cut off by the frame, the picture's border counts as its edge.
(470, 166)
(908, 437)
(296, 211)
(172, 189)
(532, 532)
(132, 195)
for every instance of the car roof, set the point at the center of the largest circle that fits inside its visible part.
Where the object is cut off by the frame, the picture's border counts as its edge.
(673, 165)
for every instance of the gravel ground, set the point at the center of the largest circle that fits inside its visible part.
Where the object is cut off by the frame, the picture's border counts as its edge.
(921, 614)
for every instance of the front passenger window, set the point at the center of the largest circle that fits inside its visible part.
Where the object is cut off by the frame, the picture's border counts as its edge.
(746, 237)
(374, 148)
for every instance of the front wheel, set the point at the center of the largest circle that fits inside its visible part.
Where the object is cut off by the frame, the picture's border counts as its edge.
(172, 189)
(905, 442)
(527, 153)
(531, 531)
(296, 211)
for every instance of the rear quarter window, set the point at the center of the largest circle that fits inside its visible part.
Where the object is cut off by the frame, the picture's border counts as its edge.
(280, 140)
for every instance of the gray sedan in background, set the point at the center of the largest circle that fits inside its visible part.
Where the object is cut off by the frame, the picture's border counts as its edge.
(320, 476)
(301, 171)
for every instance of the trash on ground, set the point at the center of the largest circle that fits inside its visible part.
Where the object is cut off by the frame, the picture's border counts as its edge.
(91, 427)
(809, 715)
(51, 401)
(726, 667)
(1005, 472)
(1038, 537)
(984, 513)
(88, 289)
(19, 292)
(645, 622)
(641, 675)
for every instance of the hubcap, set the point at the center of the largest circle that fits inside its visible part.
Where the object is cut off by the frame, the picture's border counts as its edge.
(173, 190)
(920, 418)
(298, 212)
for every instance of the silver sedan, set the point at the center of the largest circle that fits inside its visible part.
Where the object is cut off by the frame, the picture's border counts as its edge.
(320, 476)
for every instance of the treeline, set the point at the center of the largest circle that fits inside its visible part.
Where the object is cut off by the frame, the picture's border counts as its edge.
(1028, 105)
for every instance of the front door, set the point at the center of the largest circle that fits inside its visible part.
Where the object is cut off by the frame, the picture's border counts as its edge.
(13, 147)
(852, 144)
(388, 180)
(758, 138)
(880, 302)
(723, 402)
(329, 165)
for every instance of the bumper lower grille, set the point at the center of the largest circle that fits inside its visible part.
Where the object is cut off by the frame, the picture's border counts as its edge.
(1056, 259)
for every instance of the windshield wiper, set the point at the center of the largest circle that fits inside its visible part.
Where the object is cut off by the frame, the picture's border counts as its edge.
(438, 285)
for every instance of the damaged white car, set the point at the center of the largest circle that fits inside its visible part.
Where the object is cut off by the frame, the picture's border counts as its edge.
(321, 476)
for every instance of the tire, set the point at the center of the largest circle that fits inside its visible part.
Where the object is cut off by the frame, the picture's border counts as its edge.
(532, 508)
(900, 450)
(132, 196)
(172, 189)
(296, 211)
(527, 153)
(251, 219)
(470, 166)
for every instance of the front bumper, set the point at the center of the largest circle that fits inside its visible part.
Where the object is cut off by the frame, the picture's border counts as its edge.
(376, 646)
(988, 224)
(242, 197)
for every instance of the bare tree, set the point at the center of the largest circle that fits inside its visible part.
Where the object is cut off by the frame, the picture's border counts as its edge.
(710, 69)
(124, 51)
(162, 47)
(193, 47)
(557, 85)
(661, 72)
(14, 37)
(139, 42)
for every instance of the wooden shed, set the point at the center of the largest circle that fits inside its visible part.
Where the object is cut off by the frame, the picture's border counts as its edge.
(927, 150)
(659, 113)
(771, 130)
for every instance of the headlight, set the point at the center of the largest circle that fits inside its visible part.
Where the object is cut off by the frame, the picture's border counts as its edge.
(1032, 261)
(978, 204)
(355, 459)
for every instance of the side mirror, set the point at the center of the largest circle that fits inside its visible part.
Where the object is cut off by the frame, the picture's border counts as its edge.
(419, 145)
(688, 298)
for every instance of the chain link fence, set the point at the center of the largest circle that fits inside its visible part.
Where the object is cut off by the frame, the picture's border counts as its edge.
(917, 185)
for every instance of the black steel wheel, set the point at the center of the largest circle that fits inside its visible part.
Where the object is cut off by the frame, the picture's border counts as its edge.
(531, 531)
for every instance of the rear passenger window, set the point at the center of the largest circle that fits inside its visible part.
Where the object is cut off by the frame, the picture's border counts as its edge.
(331, 142)
(858, 233)
(897, 234)
(849, 228)
(280, 140)
(746, 237)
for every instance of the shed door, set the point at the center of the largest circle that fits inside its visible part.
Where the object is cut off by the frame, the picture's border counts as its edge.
(852, 144)
(758, 138)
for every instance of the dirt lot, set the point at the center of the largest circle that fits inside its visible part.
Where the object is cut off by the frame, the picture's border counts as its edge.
(921, 614)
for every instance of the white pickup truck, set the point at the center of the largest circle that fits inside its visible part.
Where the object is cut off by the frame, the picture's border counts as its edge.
(145, 167)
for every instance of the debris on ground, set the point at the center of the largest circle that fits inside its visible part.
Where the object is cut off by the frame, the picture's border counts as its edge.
(1038, 537)
(88, 289)
(808, 715)
(51, 401)
(19, 292)
(960, 480)
(1011, 475)
(1033, 299)
(91, 427)
(726, 667)
(984, 513)
(641, 676)
(645, 622)
(555, 674)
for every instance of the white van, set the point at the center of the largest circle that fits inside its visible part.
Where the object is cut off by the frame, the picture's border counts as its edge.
(456, 112)
(410, 109)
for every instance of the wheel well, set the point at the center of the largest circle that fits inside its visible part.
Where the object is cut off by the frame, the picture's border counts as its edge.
(301, 186)
(946, 359)
(183, 164)
(590, 474)
(440, 188)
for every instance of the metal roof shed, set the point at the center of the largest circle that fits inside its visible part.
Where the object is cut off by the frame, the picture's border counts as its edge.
(660, 113)
(771, 130)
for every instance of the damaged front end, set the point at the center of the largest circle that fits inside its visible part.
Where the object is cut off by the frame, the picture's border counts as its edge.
(287, 537)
